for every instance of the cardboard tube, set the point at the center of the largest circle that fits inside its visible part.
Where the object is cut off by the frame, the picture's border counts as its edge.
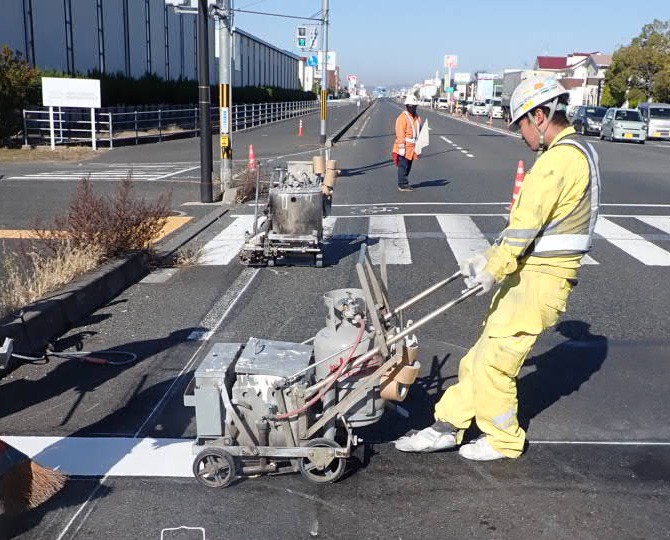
(408, 374)
(393, 390)
(319, 164)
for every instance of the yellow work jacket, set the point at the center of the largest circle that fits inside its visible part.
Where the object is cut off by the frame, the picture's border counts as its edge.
(406, 132)
(551, 223)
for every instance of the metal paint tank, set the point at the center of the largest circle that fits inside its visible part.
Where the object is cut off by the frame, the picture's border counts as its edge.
(345, 308)
(297, 211)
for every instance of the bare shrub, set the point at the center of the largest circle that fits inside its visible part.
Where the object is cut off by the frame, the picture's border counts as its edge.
(188, 256)
(114, 224)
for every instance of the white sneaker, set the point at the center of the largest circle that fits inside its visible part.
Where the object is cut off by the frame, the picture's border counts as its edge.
(480, 450)
(426, 440)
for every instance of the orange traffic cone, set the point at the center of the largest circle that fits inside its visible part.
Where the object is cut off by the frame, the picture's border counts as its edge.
(300, 132)
(252, 157)
(518, 182)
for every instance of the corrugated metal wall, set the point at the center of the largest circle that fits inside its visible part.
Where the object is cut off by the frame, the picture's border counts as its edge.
(130, 36)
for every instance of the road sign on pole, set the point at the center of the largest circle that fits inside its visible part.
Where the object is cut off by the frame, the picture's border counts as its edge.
(450, 61)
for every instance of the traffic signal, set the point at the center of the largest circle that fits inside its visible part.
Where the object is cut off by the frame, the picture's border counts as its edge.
(302, 36)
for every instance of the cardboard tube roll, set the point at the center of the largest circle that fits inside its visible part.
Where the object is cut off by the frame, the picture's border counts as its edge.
(319, 164)
(392, 390)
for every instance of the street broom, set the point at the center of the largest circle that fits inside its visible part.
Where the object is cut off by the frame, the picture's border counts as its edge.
(24, 484)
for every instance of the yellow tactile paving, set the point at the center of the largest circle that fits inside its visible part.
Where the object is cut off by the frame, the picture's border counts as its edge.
(173, 223)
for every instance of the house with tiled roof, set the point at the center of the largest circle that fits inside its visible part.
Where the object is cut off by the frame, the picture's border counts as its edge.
(582, 74)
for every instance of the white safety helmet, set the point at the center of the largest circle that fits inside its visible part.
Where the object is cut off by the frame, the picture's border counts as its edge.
(411, 100)
(534, 92)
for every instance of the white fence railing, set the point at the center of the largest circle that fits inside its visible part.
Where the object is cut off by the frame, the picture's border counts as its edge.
(75, 126)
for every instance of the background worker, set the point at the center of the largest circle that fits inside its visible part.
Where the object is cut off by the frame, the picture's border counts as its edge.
(536, 260)
(407, 128)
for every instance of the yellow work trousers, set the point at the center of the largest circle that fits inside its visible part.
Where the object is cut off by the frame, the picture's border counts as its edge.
(526, 303)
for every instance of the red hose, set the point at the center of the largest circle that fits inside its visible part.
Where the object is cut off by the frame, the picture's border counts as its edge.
(338, 373)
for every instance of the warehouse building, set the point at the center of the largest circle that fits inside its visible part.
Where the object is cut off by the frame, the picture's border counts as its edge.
(133, 37)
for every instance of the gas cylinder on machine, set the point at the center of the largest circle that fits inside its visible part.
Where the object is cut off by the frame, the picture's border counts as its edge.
(346, 312)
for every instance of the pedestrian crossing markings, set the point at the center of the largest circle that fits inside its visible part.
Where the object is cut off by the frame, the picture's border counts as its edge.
(460, 232)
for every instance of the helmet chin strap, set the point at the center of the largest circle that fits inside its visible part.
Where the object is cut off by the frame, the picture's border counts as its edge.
(542, 131)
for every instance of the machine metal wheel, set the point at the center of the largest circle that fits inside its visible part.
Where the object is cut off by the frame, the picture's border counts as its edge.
(328, 474)
(271, 262)
(318, 260)
(214, 468)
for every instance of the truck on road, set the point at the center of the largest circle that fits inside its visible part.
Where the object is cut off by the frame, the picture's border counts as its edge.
(511, 80)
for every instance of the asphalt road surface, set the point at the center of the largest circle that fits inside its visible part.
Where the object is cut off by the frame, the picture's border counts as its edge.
(593, 396)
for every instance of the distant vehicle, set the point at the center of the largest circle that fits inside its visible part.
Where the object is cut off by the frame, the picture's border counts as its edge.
(588, 119)
(572, 109)
(443, 103)
(495, 108)
(510, 81)
(657, 117)
(478, 108)
(463, 105)
(488, 102)
(623, 125)
(425, 102)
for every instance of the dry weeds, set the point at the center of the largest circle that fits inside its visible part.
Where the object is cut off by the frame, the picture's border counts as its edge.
(39, 273)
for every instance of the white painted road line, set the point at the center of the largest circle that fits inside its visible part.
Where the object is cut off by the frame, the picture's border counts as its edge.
(658, 222)
(392, 232)
(633, 244)
(222, 307)
(176, 173)
(225, 246)
(110, 456)
(463, 236)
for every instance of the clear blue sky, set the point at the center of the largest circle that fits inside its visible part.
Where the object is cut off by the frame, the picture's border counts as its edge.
(386, 43)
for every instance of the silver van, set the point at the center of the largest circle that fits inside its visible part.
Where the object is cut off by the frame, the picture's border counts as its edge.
(657, 117)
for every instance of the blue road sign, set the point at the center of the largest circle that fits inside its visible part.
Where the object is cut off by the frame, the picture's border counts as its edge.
(313, 61)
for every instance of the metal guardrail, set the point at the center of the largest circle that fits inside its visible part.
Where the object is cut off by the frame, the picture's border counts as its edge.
(75, 126)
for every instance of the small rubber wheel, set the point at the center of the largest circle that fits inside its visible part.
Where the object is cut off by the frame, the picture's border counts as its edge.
(328, 475)
(318, 261)
(271, 262)
(214, 468)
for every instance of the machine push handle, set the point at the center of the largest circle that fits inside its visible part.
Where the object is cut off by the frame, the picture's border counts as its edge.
(422, 295)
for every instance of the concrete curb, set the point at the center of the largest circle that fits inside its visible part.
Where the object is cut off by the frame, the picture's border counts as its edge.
(42, 321)
(337, 135)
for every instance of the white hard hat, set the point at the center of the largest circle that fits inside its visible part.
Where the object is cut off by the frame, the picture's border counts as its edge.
(411, 100)
(532, 93)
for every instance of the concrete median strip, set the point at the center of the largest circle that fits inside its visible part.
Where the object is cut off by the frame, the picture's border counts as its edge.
(341, 131)
(42, 321)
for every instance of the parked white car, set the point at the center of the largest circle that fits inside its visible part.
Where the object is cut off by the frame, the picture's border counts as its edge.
(496, 109)
(478, 108)
(443, 103)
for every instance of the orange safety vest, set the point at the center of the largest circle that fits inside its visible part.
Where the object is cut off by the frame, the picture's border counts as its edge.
(406, 132)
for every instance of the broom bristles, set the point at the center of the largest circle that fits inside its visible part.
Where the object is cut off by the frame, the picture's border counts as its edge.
(26, 484)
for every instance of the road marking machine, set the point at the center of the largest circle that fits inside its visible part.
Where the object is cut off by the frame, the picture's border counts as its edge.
(273, 407)
(291, 224)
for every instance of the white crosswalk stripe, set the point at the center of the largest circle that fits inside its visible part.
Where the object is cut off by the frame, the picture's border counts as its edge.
(225, 246)
(633, 244)
(463, 236)
(392, 232)
(460, 232)
(143, 173)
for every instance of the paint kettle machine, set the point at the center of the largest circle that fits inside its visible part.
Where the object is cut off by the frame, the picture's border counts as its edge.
(273, 407)
(290, 225)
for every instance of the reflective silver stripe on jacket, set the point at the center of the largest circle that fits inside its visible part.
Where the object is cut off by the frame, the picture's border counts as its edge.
(411, 123)
(573, 234)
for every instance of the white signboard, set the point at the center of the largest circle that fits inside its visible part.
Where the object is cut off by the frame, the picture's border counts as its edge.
(332, 60)
(462, 78)
(58, 92)
(450, 60)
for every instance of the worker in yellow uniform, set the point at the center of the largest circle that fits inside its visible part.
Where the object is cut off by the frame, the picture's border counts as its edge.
(407, 128)
(536, 261)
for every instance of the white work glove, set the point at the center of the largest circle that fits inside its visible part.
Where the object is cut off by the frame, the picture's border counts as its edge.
(485, 279)
(473, 266)
(401, 152)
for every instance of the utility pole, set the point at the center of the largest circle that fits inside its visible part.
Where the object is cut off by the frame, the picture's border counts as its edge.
(324, 72)
(226, 100)
(206, 194)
